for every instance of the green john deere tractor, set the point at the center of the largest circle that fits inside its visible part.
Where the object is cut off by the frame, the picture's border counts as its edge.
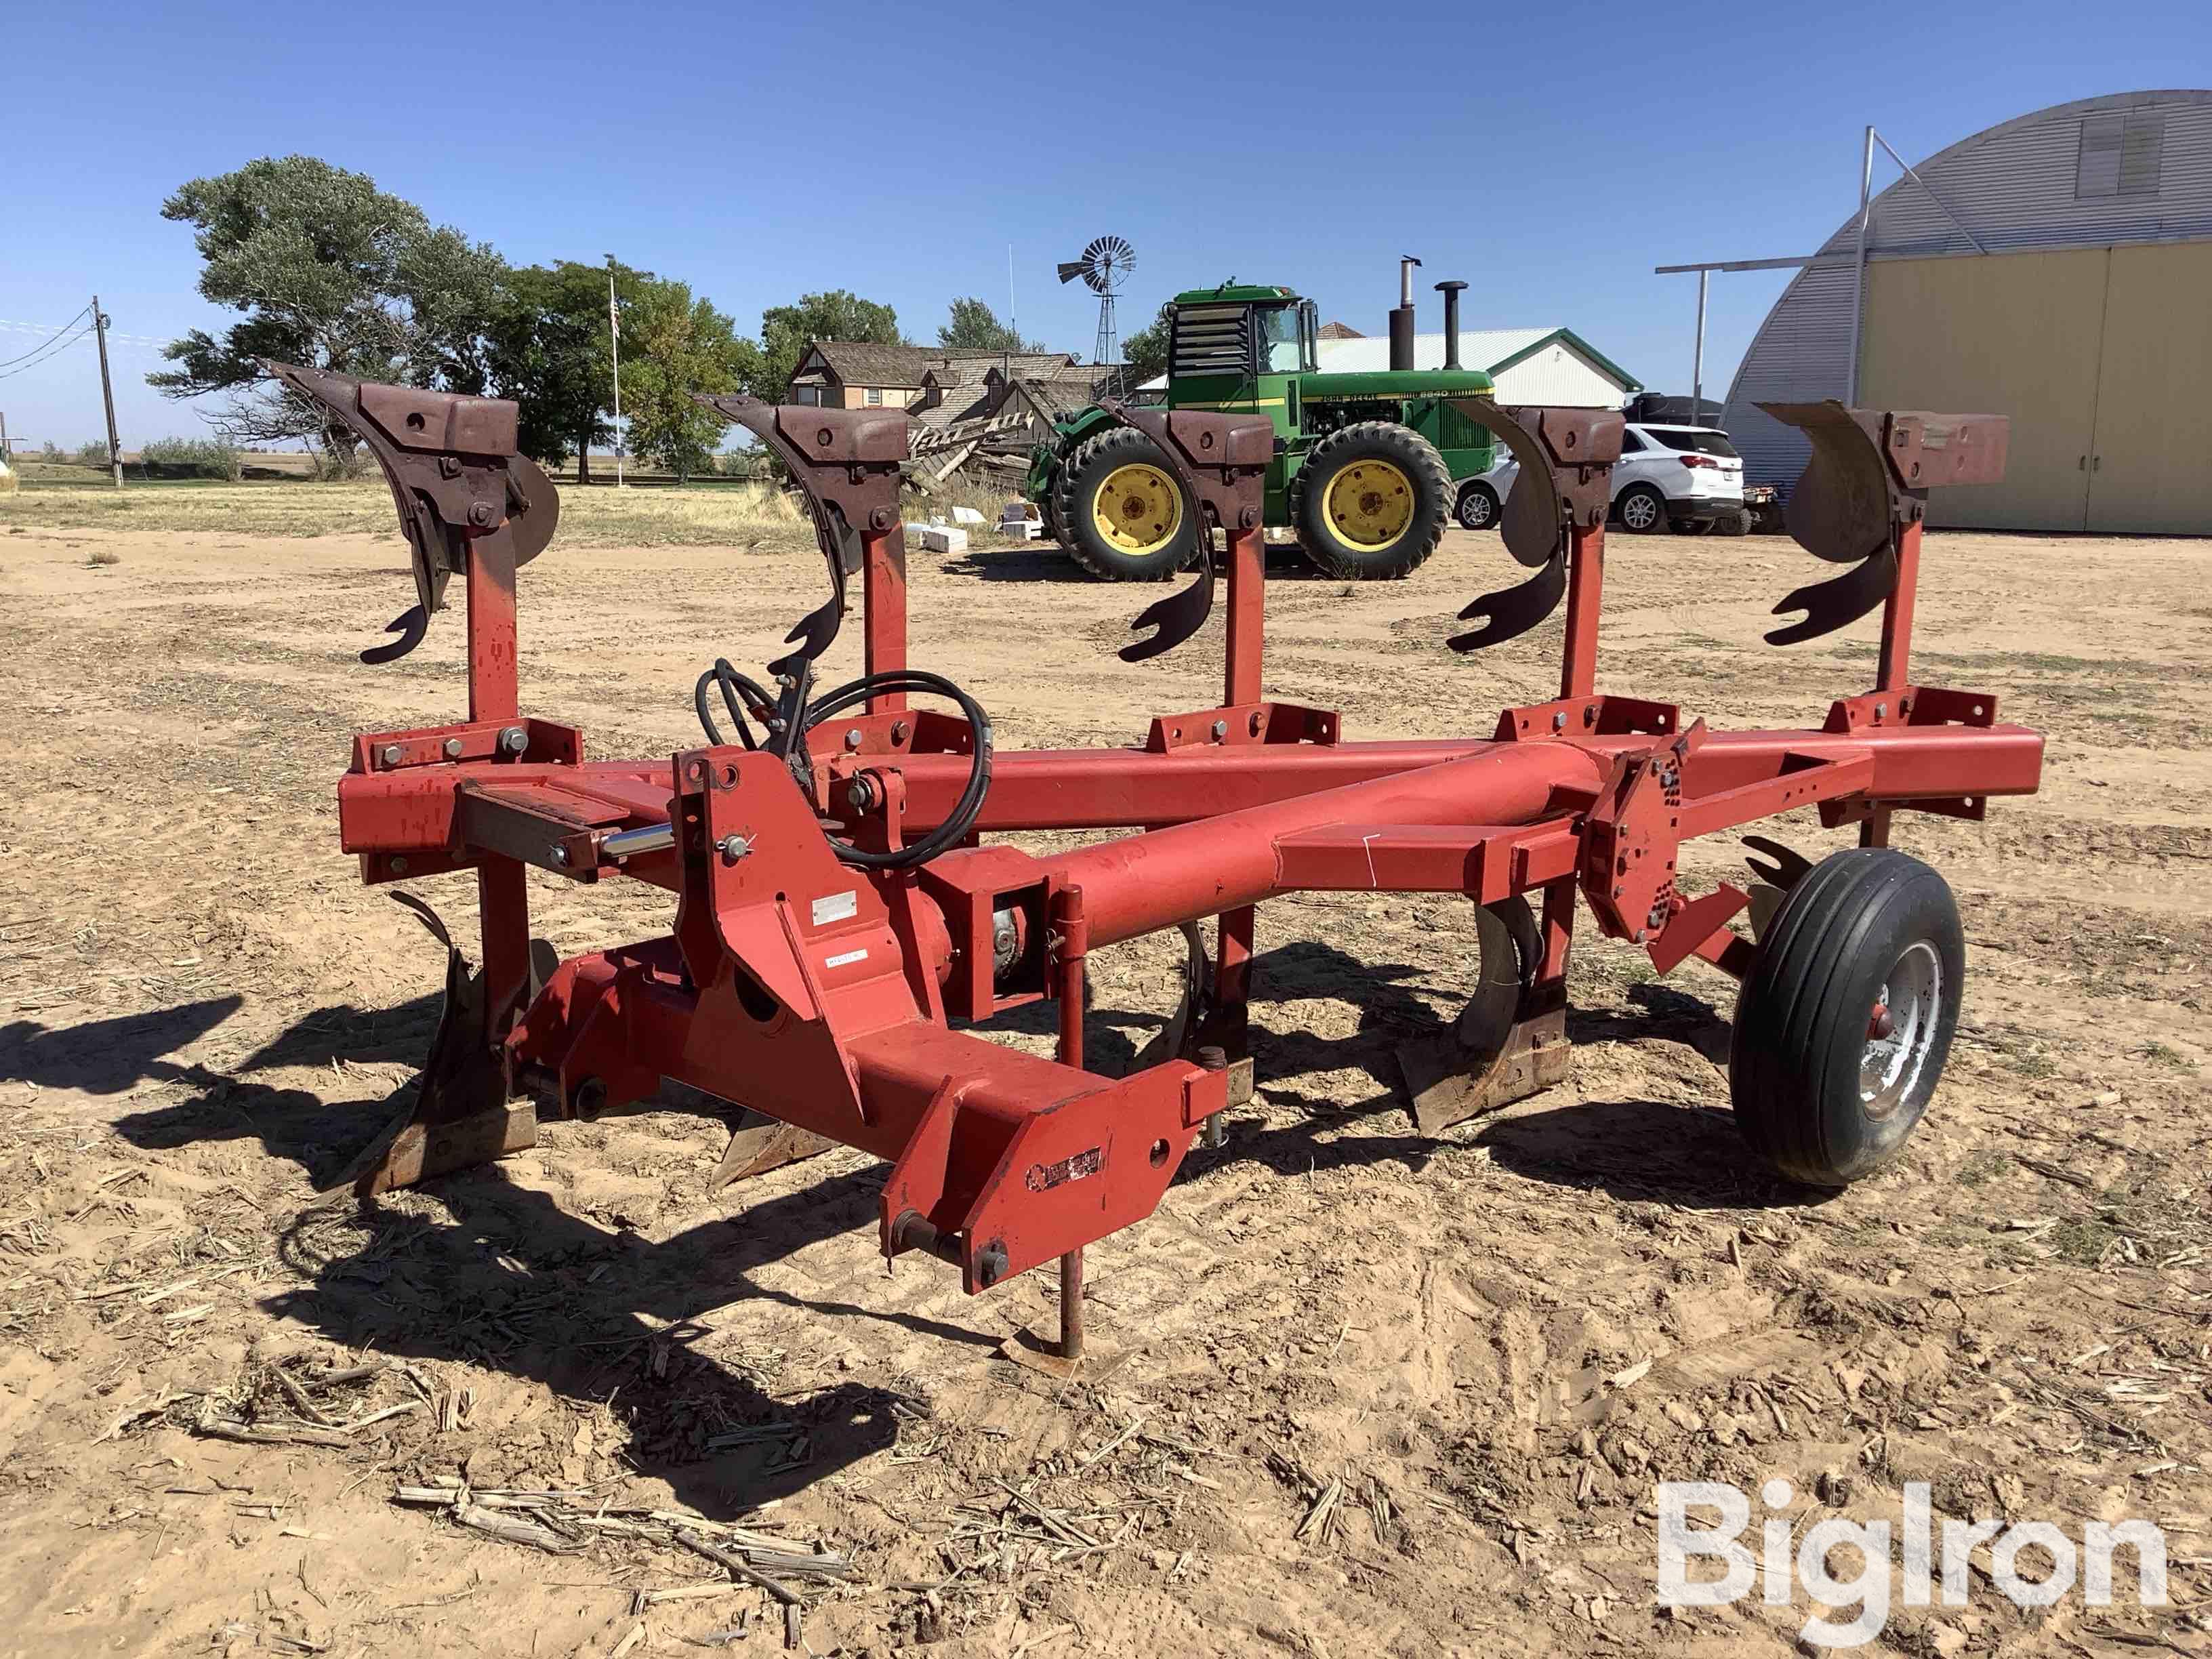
(1368, 465)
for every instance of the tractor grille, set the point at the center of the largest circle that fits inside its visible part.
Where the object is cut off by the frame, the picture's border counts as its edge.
(1211, 340)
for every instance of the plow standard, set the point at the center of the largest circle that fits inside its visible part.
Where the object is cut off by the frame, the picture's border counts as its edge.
(839, 913)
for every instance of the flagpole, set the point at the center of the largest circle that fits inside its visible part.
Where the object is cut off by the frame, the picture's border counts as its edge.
(614, 337)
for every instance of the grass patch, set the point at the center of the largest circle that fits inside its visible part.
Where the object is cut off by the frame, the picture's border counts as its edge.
(2032, 1063)
(1981, 1167)
(740, 515)
(106, 556)
(2083, 1242)
(2157, 1054)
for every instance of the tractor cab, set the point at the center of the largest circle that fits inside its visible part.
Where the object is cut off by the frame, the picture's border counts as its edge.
(1231, 347)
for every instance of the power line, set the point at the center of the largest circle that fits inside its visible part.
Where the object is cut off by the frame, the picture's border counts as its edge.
(43, 344)
(51, 349)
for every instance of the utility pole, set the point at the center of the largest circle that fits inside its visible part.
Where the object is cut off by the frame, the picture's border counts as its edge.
(614, 336)
(1858, 268)
(1698, 360)
(107, 392)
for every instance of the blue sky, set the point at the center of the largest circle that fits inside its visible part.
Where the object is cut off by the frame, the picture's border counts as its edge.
(1551, 158)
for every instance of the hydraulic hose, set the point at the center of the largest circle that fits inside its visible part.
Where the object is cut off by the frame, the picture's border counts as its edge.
(741, 696)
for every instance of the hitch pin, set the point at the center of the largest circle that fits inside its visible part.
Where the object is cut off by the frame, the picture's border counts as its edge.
(625, 843)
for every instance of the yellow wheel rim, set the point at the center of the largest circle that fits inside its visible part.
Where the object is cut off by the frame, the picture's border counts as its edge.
(1369, 505)
(1137, 508)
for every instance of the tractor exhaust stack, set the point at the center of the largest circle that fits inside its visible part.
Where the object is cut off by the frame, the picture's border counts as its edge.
(1401, 319)
(1451, 293)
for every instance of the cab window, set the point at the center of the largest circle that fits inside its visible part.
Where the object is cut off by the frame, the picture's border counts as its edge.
(1281, 340)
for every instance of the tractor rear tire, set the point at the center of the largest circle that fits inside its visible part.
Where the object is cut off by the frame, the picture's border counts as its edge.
(1371, 502)
(1846, 1016)
(1120, 515)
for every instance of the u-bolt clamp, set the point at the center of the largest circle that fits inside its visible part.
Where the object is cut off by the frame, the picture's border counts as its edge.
(1864, 484)
(1564, 485)
(454, 473)
(846, 461)
(1220, 463)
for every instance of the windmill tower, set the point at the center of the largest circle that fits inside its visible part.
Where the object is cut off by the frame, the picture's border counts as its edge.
(1104, 266)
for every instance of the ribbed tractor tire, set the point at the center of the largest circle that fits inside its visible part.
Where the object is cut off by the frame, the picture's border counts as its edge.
(1048, 511)
(1864, 930)
(1094, 462)
(1420, 470)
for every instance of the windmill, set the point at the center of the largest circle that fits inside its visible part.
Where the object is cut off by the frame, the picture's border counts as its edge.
(1104, 266)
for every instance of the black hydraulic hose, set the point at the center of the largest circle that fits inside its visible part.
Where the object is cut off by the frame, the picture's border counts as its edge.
(732, 685)
(958, 824)
(961, 821)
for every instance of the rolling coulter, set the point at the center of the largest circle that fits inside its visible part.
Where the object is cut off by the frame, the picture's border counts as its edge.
(840, 912)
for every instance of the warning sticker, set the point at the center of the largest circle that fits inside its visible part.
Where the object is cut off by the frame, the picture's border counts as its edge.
(837, 907)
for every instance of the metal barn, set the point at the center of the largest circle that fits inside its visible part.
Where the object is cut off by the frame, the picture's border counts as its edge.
(2057, 269)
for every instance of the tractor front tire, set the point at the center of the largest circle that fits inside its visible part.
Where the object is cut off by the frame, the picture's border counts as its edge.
(1120, 513)
(1371, 502)
(1846, 1015)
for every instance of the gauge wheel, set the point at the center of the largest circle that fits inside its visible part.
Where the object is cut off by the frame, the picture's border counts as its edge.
(1371, 502)
(1478, 507)
(1846, 1017)
(1643, 510)
(1120, 511)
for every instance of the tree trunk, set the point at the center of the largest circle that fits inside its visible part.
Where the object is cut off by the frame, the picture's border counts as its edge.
(584, 458)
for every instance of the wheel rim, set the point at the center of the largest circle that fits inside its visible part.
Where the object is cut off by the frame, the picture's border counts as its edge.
(1137, 508)
(1474, 511)
(1901, 1030)
(1639, 512)
(1369, 505)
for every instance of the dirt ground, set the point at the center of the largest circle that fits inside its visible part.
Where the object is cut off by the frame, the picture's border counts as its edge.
(1388, 1395)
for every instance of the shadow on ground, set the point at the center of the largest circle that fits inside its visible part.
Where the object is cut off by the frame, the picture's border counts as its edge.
(506, 1278)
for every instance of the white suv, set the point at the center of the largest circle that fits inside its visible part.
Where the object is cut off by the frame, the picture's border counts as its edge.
(1688, 477)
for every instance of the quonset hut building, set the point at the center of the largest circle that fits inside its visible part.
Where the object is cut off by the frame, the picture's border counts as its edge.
(2057, 269)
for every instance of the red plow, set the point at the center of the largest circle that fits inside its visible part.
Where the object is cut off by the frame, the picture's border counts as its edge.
(839, 914)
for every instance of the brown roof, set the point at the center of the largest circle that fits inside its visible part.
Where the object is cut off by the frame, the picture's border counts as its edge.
(1337, 332)
(857, 364)
(1057, 396)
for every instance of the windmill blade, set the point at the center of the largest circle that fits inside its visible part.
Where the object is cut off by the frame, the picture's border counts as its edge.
(1071, 268)
(1108, 258)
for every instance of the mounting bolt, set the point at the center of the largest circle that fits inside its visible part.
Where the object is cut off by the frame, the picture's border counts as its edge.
(514, 740)
(1560, 721)
(483, 515)
(453, 749)
(561, 855)
(392, 753)
(861, 795)
(733, 847)
(880, 518)
(1881, 711)
(853, 737)
(1220, 730)
(991, 1263)
(899, 729)
(398, 863)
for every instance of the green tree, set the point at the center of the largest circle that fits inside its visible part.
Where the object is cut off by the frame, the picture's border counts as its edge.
(673, 345)
(974, 326)
(332, 273)
(788, 331)
(546, 347)
(1145, 352)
